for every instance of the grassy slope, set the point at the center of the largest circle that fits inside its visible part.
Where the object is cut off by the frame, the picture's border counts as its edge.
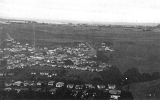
(146, 91)
(132, 48)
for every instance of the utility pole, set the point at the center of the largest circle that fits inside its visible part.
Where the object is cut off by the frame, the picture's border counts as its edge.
(34, 36)
(2, 32)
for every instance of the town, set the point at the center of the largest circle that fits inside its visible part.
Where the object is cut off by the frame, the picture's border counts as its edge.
(44, 71)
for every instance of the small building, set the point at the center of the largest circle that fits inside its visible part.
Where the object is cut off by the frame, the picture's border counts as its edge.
(10, 74)
(115, 91)
(38, 89)
(70, 86)
(50, 83)
(53, 90)
(90, 86)
(101, 86)
(33, 73)
(54, 74)
(18, 83)
(114, 97)
(78, 87)
(59, 84)
(7, 84)
(7, 89)
(26, 83)
(49, 76)
(32, 83)
(39, 83)
(1, 74)
(111, 86)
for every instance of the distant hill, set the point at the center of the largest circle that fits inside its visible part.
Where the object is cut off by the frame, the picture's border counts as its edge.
(146, 91)
(158, 26)
(15, 21)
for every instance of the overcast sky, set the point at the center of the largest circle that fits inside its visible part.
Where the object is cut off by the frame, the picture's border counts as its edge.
(141, 11)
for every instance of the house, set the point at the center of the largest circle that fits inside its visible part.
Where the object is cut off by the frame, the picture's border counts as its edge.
(50, 83)
(7, 84)
(21, 89)
(90, 86)
(53, 90)
(101, 86)
(59, 84)
(39, 83)
(32, 83)
(111, 86)
(18, 90)
(115, 91)
(44, 73)
(18, 83)
(114, 97)
(7, 89)
(49, 76)
(1, 74)
(33, 73)
(10, 74)
(38, 89)
(54, 74)
(70, 86)
(78, 87)
(26, 83)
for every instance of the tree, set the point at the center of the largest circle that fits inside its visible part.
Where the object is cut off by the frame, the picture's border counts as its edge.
(102, 57)
(68, 62)
(112, 76)
(108, 43)
(44, 53)
(146, 77)
(155, 75)
(132, 75)
(63, 71)
(4, 62)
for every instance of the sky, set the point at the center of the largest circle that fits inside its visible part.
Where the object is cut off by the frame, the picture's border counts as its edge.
(132, 11)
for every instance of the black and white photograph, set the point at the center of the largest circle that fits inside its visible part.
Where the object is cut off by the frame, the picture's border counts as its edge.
(79, 49)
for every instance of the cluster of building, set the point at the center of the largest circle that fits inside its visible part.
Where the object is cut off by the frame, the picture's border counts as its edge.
(20, 56)
(52, 87)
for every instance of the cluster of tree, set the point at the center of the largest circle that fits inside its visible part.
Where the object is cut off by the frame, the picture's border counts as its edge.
(102, 57)
(3, 63)
(60, 93)
(132, 75)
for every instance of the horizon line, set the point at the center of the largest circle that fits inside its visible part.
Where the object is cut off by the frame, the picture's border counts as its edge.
(53, 21)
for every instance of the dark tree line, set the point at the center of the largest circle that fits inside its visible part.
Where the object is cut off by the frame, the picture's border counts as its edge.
(132, 75)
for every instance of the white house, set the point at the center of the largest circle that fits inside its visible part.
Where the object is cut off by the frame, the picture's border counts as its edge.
(18, 83)
(89, 86)
(101, 86)
(7, 89)
(39, 83)
(50, 83)
(79, 87)
(59, 84)
(1, 74)
(7, 84)
(70, 86)
(114, 97)
(111, 86)
(25, 83)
